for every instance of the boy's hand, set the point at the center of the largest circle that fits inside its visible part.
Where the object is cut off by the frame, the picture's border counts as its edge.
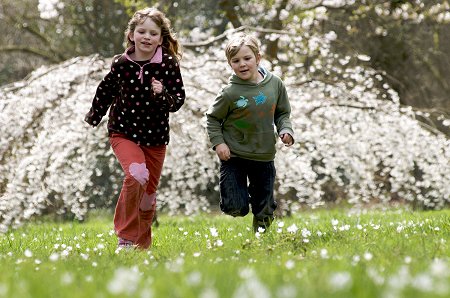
(287, 139)
(223, 151)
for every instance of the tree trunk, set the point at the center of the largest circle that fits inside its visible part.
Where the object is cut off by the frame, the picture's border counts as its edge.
(228, 6)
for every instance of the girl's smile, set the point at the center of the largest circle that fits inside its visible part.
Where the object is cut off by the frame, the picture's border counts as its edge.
(146, 37)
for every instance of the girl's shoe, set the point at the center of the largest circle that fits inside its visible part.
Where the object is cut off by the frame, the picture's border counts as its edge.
(125, 244)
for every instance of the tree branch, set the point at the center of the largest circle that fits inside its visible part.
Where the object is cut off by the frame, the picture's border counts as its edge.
(232, 31)
(338, 105)
(30, 50)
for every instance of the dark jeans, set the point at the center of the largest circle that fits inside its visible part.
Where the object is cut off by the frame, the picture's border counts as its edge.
(236, 195)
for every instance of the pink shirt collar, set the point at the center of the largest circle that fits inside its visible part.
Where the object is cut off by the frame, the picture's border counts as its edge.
(157, 57)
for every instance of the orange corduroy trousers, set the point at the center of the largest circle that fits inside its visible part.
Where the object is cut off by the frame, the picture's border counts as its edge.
(136, 206)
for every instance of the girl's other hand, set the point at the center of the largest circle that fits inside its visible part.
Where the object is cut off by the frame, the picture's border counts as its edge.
(223, 151)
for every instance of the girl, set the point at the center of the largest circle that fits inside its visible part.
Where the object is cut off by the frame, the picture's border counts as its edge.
(142, 87)
(240, 125)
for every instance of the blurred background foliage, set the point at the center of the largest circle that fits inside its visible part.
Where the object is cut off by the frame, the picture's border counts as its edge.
(407, 41)
(359, 75)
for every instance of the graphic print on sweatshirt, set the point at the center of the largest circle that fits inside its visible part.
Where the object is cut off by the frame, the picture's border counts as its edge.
(246, 111)
(260, 98)
(241, 102)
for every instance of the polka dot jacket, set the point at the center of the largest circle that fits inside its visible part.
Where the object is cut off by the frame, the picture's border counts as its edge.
(136, 111)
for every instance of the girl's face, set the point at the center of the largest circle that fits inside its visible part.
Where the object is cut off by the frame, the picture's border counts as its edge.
(147, 37)
(245, 64)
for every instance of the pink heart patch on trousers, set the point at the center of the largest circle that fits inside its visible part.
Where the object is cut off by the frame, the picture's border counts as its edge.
(139, 172)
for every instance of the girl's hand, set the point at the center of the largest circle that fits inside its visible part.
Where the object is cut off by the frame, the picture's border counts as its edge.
(157, 86)
(287, 139)
(223, 151)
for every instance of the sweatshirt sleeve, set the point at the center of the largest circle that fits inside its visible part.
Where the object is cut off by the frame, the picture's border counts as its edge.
(173, 95)
(283, 112)
(106, 92)
(215, 116)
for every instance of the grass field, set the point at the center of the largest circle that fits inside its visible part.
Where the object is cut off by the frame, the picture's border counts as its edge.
(326, 253)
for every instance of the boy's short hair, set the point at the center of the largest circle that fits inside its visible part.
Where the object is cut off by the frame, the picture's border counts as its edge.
(240, 40)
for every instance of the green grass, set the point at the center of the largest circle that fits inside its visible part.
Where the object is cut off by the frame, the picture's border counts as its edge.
(333, 253)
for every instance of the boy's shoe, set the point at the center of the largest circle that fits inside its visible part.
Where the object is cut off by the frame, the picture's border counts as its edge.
(261, 224)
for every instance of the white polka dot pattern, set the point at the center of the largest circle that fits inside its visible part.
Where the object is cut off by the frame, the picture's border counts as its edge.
(135, 110)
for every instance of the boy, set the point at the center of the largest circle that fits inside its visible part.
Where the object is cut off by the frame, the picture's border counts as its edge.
(240, 126)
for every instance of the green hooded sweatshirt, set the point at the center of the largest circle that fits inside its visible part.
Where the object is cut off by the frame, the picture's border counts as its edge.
(244, 115)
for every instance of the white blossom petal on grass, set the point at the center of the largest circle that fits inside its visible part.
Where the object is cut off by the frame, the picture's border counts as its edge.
(125, 281)
(340, 281)
(209, 292)
(440, 268)
(67, 278)
(368, 256)
(214, 232)
(251, 286)
(407, 260)
(290, 264)
(54, 257)
(194, 278)
(377, 278)
(175, 265)
(3, 290)
(292, 229)
(324, 253)
(28, 253)
(287, 291)
(89, 278)
(423, 282)
(146, 293)
(399, 280)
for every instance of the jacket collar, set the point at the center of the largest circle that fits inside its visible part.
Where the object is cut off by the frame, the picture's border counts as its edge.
(157, 57)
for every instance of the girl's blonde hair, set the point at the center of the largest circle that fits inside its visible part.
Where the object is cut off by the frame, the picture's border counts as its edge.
(238, 41)
(169, 41)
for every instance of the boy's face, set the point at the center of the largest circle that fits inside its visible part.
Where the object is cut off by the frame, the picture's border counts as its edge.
(245, 64)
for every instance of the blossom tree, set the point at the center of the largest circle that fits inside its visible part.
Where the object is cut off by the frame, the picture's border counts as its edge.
(355, 142)
(352, 145)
